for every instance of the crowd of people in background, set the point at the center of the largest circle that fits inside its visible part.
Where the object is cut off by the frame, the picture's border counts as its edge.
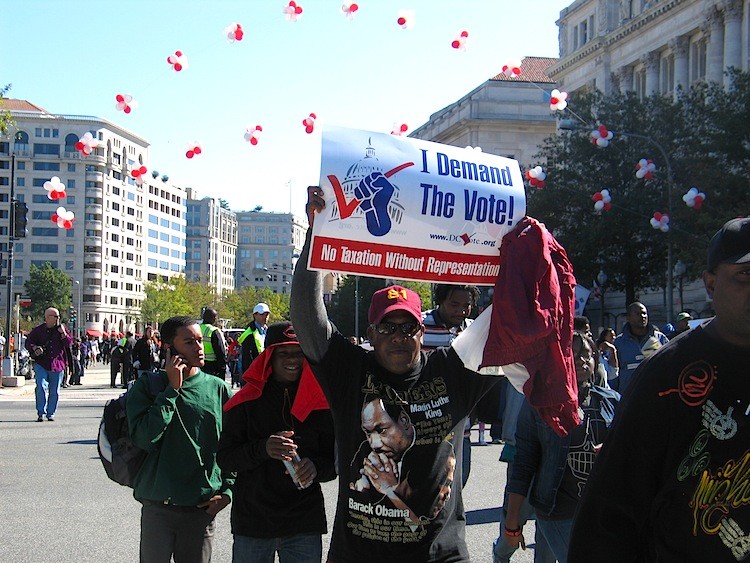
(401, 408)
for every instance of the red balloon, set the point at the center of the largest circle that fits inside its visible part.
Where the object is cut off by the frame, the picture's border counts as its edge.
(455, 44)
(189, 154)
(401, 21)
(464, 34)
(353, 8)
(54, 217)
(120, 98)
(197, 150)
(126, 109)
(178, 53)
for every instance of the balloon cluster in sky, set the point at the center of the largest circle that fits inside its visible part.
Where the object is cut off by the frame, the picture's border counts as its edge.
(645, 169)
(660, 222)
(138, 174)
(536, 177)
(601, 136)
(602, 201)
(694, 198)
(56, 191)
(63, 218)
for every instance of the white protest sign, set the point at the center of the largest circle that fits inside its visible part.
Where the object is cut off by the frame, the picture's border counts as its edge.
(409, 209)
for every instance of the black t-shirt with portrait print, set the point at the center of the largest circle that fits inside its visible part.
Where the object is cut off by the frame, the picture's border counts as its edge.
(427, 521)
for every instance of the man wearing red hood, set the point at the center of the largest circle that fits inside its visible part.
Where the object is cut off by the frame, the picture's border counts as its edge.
(280, 412)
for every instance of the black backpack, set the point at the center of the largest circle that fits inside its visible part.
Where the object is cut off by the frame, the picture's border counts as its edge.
(120, 457)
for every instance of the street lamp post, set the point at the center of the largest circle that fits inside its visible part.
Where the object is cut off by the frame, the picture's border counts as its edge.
(356, 307)
(679, 270)
(601, 279)
(571, 125)
(79, 313)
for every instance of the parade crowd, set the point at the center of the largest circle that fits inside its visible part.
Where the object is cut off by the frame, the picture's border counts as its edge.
(655, 466)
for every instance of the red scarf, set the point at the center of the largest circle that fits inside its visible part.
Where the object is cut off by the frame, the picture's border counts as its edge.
(309, 395)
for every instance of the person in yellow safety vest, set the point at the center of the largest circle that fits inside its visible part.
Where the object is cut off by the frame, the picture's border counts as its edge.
(214, 346)
(252, 340)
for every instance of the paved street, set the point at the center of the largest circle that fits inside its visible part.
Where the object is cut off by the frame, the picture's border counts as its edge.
(58, 505)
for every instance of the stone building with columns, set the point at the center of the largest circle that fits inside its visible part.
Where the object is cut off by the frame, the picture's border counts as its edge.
(649, 46)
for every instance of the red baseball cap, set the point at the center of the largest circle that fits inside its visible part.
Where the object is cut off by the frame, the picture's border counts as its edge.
(394, 298)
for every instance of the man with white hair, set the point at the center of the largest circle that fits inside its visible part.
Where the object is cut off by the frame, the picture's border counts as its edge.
(47, 343)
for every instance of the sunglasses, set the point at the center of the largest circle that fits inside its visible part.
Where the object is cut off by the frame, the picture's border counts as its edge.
(407, 329)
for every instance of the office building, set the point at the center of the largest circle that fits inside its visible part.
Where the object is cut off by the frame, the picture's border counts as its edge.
(211, 243)
(112, 247)
(649, 46)
(506, 115)
(269, 245)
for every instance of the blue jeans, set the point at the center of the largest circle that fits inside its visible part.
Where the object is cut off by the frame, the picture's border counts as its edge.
(292, 549)
(557, 534)
(46, 381)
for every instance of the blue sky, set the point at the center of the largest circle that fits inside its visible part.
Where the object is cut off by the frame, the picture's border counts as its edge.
(73, 57)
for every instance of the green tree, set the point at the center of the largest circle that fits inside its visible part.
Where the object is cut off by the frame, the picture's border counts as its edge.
(47, 287)
(342, 307)
(238, 305)
(178, 296)
(693, 133)
(6, 120)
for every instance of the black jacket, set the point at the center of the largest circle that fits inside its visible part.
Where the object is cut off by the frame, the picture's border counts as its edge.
(266, 503)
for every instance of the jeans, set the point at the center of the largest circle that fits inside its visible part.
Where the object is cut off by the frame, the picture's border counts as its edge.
(186, 532)
(291, 549)
(557, 534)
(46, 381)
(502, 550)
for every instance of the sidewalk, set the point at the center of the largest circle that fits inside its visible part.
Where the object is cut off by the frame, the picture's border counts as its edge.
(95, 379)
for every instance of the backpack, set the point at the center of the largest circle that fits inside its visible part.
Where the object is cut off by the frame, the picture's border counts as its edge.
(121, 458)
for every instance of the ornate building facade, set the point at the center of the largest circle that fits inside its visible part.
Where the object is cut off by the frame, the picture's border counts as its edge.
(649, 46)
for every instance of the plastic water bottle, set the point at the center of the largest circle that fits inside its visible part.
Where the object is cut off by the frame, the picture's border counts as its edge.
(290, 467)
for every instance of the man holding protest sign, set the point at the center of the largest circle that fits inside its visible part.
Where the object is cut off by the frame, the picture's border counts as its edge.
(429, 393)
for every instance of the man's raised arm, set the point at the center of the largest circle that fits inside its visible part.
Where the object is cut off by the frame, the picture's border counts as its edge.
(307, 309)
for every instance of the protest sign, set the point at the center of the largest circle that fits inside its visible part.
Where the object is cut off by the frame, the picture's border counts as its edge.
(408, 209)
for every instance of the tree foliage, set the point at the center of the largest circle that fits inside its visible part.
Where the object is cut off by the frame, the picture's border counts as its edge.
(47, 287)
(342, 308)
(6, 120)
(705, 137)
(179, 296)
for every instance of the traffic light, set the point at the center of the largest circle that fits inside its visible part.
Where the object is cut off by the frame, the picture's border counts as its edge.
(72, 316)
(20, 209)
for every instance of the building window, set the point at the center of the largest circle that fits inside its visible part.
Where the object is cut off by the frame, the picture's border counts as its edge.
(667, 74)
(46, 148)
(71, 167)
(698, 61)
(70, 143)
(69, 264)
(20, 182)
(639, 79)
(45, 232)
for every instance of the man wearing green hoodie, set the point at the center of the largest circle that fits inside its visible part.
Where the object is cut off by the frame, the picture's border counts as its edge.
(180, 485)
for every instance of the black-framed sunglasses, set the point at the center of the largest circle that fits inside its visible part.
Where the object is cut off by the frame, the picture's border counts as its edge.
(407, 329)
